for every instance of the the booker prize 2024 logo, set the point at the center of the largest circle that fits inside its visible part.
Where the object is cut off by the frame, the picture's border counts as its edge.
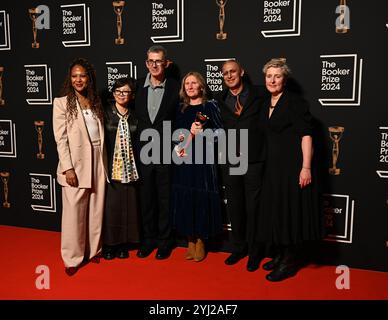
(7, 139)
(43, 192)
(339, 217)
(117, 70)
(281, 18)
(5, 34)
(383, 153)
(341, 79)
(75, 25)
(38, 84)
(167, 21)
(213, 72)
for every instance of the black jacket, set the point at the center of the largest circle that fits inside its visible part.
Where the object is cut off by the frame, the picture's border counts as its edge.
(167, 110)
(248, 119)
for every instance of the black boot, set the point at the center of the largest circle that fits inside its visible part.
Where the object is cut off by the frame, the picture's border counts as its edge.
(277, 256)
(108, 252)
(272, 264)
(287, 266)
(122, 251)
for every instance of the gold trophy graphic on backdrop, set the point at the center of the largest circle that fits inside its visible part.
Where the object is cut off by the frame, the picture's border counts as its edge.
(39, 128)
(33, 15)
(335, 134)
(2, 102)
(5, 177)
(118, 7)
(221, 18)
(342, 27)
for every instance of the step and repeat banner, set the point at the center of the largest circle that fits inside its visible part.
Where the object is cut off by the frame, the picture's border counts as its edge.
(336, 49)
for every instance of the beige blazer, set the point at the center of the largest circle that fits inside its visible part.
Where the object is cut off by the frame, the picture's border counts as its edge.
(74, 145)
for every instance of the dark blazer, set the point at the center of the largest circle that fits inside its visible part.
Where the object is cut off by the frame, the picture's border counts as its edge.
(111, 121)
(248, 119)
(167, 110)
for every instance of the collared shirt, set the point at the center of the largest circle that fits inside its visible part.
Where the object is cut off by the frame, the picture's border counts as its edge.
(231, 99)
(155, 95)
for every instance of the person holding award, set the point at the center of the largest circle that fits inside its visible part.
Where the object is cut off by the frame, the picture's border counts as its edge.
(290, 210)
(78, 127)
(196, 203)
(120, 225)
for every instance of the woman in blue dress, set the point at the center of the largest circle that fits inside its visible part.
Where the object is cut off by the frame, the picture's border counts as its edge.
(196, 204)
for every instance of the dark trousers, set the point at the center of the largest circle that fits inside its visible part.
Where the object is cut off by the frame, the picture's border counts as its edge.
(243, 196)
(154, 192)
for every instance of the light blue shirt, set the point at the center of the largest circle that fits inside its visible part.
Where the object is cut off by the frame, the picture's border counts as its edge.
(155, 96)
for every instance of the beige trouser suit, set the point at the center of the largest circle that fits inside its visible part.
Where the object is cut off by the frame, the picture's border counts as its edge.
(83, 206)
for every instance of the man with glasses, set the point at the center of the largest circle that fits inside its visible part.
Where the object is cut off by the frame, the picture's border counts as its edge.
(156, 101)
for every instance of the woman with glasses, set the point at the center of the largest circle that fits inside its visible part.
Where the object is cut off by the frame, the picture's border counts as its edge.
(79, 133)
(120, 226)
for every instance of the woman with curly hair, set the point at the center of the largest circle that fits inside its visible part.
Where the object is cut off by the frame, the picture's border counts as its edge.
(79, 134)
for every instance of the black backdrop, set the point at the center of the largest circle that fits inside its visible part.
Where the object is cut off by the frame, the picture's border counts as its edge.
(356, 198)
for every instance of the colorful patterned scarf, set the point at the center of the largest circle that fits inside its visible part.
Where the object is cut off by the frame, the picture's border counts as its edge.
(123, 166)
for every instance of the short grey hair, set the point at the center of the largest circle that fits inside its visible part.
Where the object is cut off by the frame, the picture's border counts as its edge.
(278, 63)
(157, 48)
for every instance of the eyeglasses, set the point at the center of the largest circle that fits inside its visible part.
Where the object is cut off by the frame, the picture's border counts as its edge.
(122, 93)
(153, 62)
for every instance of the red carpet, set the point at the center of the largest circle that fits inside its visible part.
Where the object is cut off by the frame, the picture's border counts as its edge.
(23, 250)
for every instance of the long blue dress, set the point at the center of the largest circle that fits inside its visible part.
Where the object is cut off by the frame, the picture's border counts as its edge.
(196, 203)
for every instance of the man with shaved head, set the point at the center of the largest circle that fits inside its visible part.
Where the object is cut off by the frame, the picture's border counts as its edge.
(240, 104)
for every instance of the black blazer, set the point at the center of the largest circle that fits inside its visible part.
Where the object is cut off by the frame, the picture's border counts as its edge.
(167, 110)
(111, 121)
(248, 119)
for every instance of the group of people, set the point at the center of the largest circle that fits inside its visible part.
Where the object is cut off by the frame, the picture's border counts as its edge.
(113, 197)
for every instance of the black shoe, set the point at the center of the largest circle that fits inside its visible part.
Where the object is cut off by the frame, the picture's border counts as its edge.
(272, 264)
(234, 258)
(253, 263)
(109, 252)
(163, 253)
(282, 272)
(144, 251)
(122, 253)
(71, 271)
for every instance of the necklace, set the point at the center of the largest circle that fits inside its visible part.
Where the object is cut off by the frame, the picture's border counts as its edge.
(84, 106)
(272, 107)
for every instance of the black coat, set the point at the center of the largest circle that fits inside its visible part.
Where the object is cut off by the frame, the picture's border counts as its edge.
(248, 119)
(288, 214)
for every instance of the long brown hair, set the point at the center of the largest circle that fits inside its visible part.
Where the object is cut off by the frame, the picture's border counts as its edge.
(91, 91)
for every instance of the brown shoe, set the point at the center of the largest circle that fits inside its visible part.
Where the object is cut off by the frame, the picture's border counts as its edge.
(190, 253)
(199, 250)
